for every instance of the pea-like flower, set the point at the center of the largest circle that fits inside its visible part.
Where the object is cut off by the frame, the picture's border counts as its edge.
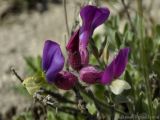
(53, 63)
(92, 17)
(111, 73)
(90, 74)
(74, 58)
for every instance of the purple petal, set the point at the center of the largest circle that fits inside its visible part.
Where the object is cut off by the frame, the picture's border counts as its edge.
(92, 17)
(84, 39)
(65, 80)
(74, 60)
(90, 75)
(84, 55)
(72, 47)
(100, 17)
(87, 14)
(108, 75)
(117, 67)
(73, 44)
(52, 60)
(48, 53)
(120, 62)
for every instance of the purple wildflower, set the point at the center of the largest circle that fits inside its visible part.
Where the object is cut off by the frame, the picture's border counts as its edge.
(72, 47)
(65, 80)
(53, 63)
(113, 71)
(92, 17)
(90, 75)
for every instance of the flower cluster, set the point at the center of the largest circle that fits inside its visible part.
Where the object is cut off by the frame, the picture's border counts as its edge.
(78, 55)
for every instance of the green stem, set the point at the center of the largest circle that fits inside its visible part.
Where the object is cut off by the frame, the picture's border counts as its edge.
(143, 59)
(101, 104)
(96, 53)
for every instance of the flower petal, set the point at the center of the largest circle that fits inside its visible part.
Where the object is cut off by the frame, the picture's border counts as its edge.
(72, 47)
(87, 14)
(92, 17)
(108, 75)
(48, 53)
(84, 55)
(118, 86)
(120, 62)
(65, 80)
(117, 67)
(90, 75)
(73, 44)
(52, 60)
(74, 60)
(101, 15)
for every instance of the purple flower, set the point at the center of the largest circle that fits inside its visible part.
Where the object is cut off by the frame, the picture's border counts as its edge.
(92, 17)
(113, 71)
(65, 80)
(52, 60)
(72, 47)
(116, 67)
(53, 63)
(90, 75)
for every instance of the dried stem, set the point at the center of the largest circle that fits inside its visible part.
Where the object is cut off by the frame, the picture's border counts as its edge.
(128, 15)
(66, 18)
(66, 109)
(16, 74)
(56, 96)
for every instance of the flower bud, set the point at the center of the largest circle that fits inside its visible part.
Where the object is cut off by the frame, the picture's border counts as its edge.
(74, 58)
(90, 75)
(65, 80)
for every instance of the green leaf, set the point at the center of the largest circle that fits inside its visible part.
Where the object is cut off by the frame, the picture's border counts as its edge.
(20, 89)
(120, 99)
(118, 39)
(33, 64)
(126, 28)
(127, 77)
(91, 108)
(158, 30)
(99, 91)
(93, 48)
(50, 115)
(23, 116)
(103, 45)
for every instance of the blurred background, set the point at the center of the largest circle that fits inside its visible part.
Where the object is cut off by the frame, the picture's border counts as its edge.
(25, 24)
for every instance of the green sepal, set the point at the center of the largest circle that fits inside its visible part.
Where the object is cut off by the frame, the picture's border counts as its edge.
(34, 83)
